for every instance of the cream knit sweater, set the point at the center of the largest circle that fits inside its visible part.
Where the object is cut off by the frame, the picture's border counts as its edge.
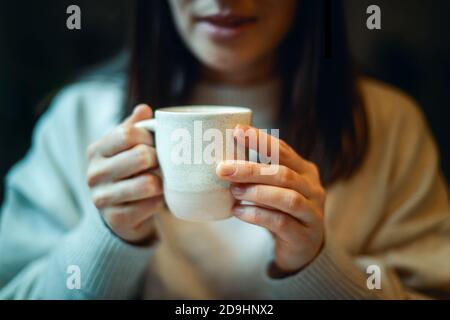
(394, 214)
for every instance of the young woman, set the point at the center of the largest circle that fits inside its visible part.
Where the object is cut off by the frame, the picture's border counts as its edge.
(381, 231)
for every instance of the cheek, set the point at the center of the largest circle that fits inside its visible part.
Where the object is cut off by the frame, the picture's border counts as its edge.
(180, 12)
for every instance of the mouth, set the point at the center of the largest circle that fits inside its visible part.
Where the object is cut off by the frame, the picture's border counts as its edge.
(225, 27)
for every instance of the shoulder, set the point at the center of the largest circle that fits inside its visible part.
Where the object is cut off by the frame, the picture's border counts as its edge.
(399, 134)
(388, 108)
(89, 107)
(93, 99)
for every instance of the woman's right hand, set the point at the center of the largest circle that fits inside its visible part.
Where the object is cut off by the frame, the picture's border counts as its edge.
(123, 188)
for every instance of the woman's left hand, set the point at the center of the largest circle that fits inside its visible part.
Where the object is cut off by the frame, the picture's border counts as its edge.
(289, 203)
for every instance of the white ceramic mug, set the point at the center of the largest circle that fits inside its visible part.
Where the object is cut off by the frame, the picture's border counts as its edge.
(188, 144)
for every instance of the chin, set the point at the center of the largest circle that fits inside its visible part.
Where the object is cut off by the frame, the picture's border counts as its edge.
(226, 68)
(229, 62)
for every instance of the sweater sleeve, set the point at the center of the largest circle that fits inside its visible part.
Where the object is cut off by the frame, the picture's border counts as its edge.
(53, 242)
(411, 245)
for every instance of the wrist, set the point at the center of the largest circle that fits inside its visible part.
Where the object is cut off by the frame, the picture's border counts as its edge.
(144, 235)
(275, 271)
(147, 241)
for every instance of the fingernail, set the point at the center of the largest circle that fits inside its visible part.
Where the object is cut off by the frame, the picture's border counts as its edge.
(226, 169)
(241, 126)
(238, 131)
(238, 190)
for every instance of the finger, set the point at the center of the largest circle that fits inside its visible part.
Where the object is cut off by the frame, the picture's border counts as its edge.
(249, 203)
(118, 140)
(123, 165)
(252, 172)
(263, 142)
(141, 187)
(124, 136)
(282, 225)
(133, 213)
(284, 200)
(140, 112)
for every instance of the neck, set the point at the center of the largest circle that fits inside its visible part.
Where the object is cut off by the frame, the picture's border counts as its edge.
(256, 73)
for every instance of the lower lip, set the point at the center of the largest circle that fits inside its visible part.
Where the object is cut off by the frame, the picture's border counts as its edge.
(220, 33)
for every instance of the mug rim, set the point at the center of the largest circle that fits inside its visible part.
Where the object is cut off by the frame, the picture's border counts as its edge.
(211, 109)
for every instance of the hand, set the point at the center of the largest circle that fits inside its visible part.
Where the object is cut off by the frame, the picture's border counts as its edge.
(123, 188)
(289, 203)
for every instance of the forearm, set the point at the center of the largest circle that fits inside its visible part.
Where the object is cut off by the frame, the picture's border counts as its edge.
(328, 277)
(109, 268)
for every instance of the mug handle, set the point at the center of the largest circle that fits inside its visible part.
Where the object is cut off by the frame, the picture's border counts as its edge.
(147, 124)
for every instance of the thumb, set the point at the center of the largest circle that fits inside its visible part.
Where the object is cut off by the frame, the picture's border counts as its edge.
(140, 112)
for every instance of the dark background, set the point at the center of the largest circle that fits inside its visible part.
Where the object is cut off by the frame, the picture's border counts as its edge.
(39, 55)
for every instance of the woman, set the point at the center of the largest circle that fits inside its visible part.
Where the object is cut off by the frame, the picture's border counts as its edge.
(366, 144)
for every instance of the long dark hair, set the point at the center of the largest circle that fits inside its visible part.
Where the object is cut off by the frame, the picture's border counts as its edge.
(323, 116)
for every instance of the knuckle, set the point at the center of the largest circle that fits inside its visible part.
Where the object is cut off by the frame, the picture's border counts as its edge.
(91, 150)
(100, 200)
(160, 203)
(127, 135)
(149, 185)
(154, 205)
(257, 193)
(95, 176)
(158, 185)
(284, 148)
(280, 223)
(319, 216)
(144, 156)
(293, 201)
(252, 170)
(245, 170)
(314, 169)
(254, 214)
(285, 174)
(321, 194)
(91, 180)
